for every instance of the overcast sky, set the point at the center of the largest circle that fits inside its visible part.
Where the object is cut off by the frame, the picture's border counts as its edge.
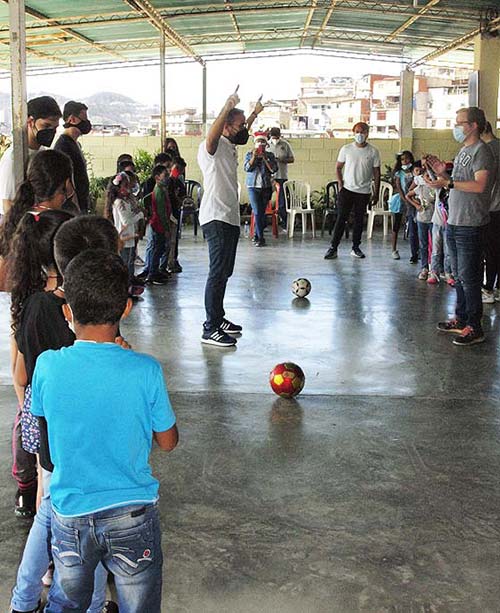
(275, 77)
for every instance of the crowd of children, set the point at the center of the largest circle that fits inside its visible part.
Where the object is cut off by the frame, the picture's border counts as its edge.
(96, 512)
(423, 210)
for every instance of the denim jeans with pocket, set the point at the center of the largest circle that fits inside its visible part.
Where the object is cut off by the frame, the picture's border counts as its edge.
(127, 540)
(440, 258)
(222, 239)
(424, 232)
(465, 246)
(35, 561)
(259, 198)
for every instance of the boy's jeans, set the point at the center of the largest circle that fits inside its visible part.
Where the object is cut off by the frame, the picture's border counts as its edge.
(440, 257)
(127, 540)
(35, 561)
(423, 240)
(465, 247)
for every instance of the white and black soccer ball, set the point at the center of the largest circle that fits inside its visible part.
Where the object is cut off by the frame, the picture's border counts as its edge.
(301, 287)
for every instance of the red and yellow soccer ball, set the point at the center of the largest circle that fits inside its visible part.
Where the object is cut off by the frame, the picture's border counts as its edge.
(287, 379)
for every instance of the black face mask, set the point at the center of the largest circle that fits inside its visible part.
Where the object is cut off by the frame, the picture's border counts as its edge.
(46, 136)
(84, 126)
(241, 137)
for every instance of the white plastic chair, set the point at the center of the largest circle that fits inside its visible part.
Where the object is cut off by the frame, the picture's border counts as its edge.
(381, 208)
(298, 202)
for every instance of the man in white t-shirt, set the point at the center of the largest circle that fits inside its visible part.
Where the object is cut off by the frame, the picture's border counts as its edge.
(219, 214)
(284, 155)
(358, 163)
(43, 118)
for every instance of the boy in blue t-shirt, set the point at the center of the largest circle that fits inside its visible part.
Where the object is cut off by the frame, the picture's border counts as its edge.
(103, 406)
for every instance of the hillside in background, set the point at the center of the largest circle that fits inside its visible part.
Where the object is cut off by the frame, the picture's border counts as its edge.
(104, 107)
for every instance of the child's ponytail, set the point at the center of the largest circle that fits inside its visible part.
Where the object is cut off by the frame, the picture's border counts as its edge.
(25, 200)
(31, 256)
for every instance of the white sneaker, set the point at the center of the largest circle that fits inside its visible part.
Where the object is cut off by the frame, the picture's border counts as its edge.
(497, 294)
(424, 273)
(47, 578)
(395, 255)
(488, 296)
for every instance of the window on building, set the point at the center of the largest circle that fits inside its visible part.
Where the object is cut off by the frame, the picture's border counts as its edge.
(316, 122)
(320, 91)
(448, 123)
(350, 119)
(433, 123)
(382, 115)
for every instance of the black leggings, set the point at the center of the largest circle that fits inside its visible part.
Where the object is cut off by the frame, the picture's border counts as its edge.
(492, 251)
(397, 218)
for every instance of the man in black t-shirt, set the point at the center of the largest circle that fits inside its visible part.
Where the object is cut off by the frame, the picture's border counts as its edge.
(76, 123)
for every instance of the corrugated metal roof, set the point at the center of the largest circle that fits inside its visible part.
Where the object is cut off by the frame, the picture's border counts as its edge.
(73, 33)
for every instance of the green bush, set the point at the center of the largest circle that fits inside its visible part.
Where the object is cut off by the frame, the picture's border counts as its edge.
(144, 162)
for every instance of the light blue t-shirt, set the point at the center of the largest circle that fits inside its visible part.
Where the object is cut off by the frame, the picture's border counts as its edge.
(102, 404)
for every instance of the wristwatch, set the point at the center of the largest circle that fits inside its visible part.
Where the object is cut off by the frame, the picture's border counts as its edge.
(451, 184)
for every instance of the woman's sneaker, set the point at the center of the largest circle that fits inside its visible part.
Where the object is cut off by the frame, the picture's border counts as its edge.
(497, 295)
(25, 505)
(110, 607)
(469, 336)
(487, 296)
(395, 255)
(452, 325)
(433, 278)
(218, 338)
(450, 279)
(424, 273)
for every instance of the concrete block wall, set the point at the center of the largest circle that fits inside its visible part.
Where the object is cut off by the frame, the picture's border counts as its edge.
(315, 158)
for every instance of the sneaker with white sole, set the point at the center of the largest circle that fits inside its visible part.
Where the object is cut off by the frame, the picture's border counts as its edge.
(357, 253)
(395, 255)
(469, 336)
(218, 338)
(433, 278)
(423, 274)
(453, 326)
(229, 328)
(497, 294)
(487, 296)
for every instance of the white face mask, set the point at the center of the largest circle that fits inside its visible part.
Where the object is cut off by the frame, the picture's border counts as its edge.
(360, 138)
(274, 140)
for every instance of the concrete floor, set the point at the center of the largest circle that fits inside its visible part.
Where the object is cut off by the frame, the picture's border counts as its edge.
(376, 490)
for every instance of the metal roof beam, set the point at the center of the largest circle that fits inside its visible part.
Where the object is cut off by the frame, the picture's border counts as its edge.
(422, 11)
(42, 17)
(493, 25)
(155, 18)
(325, 22)
(361, 6)
(229, 8)
(309, 17)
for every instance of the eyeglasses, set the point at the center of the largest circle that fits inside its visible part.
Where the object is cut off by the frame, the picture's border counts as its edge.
(461, 123)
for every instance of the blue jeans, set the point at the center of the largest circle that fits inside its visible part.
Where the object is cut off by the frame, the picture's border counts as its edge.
(128, 256)
(222, 239)
(127, 540)
(35, 561)
(465, 246)
(412, 235)
(159, 240)
(423, 241)
(149, 250)
(259, 197)
(281, 201)
(440, 257)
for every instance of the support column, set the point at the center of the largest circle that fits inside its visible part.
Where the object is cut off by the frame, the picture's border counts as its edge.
(163, 106)
(406, 110)
(487, 62)
(204, 101)
(18, 86)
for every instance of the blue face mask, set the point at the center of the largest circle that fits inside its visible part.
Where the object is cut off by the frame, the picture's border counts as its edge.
(406, 166)
(458, 134)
